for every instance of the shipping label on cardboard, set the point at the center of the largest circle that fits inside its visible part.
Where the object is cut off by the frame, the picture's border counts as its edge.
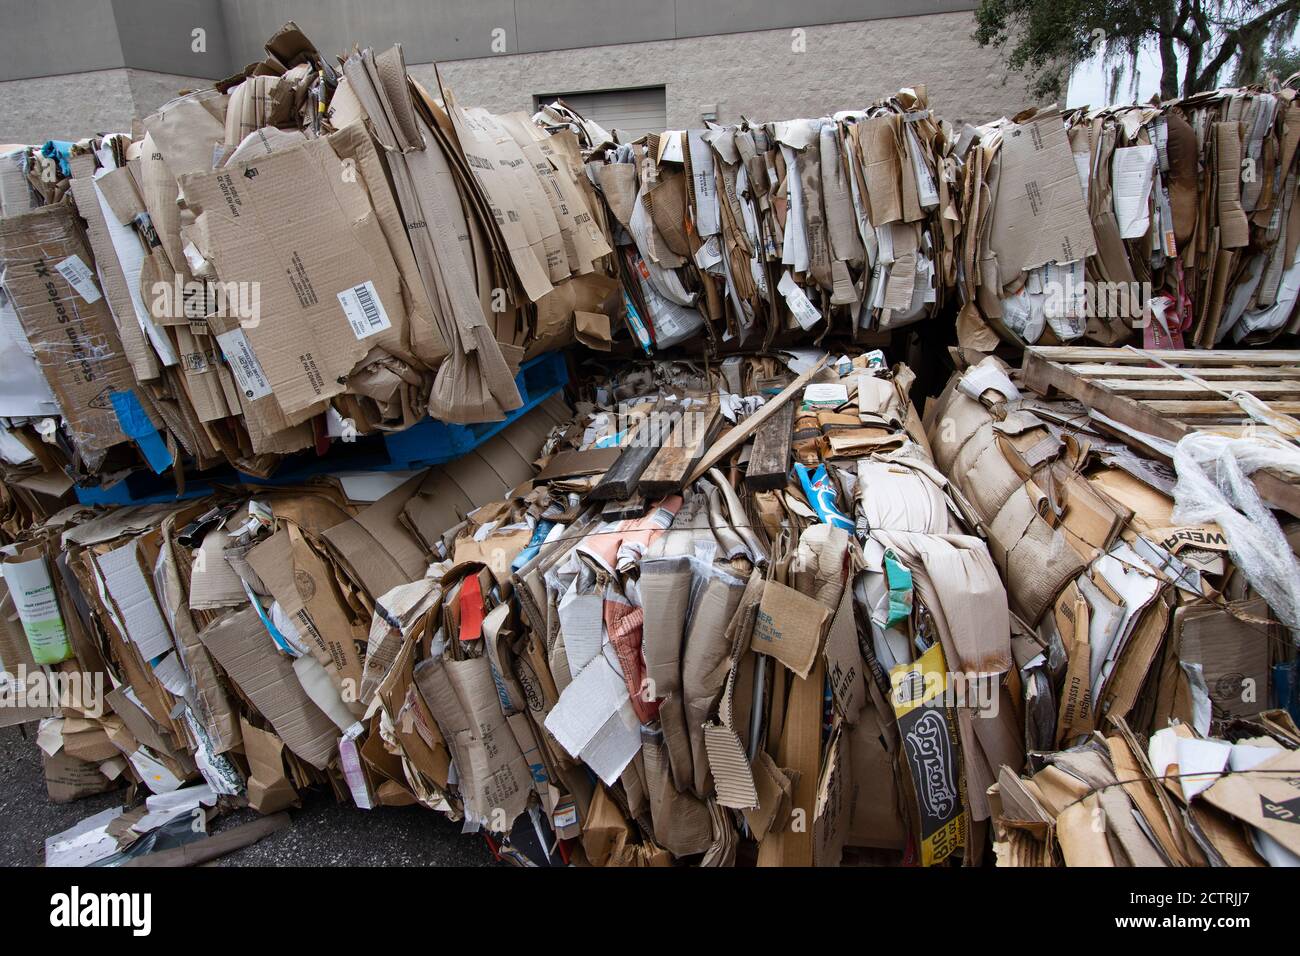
(364, 310)
(928, 727)
(79, 277)
(249, 376)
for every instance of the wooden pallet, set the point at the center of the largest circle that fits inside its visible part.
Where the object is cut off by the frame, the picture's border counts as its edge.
(1128, 386)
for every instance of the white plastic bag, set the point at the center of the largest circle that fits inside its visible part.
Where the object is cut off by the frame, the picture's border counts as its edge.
(1214, 486)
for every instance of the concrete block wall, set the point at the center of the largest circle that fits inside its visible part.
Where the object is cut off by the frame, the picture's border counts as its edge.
(761, 75)
(76, 105)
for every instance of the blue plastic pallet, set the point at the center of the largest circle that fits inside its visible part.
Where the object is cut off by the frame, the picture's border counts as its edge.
(426, 443)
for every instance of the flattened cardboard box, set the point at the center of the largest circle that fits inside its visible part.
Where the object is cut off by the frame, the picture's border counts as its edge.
(244, 649)
(929, 742)
(376, 548)
(49, 275)
(1268, 798)
(299, 580)
(1039, 212)
(68, 779)
(299, 224)
(1233, 654)
(789, 627)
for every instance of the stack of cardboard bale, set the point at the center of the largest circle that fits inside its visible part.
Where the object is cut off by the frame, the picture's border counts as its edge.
(1174, 222)
(302, 252)
(1135, 618)
(843, 224)
(741, 605)
(757, 613)
(251, 271)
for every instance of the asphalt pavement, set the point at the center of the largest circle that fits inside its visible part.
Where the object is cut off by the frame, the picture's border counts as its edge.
(322, 832)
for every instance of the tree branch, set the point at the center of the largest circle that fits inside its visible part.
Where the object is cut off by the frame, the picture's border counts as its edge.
(1168, 55)
(1232, 41)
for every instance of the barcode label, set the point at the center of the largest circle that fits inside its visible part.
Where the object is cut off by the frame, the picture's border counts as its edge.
(365, 312)
(250, 378)
(805, 313)
(80, 278)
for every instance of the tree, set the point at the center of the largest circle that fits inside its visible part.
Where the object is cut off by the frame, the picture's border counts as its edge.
(1278, 62)
(1044, 39)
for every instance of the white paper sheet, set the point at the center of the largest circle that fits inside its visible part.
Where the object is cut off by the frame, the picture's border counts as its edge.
(593, 720)
(129, 590)
(1133, 170)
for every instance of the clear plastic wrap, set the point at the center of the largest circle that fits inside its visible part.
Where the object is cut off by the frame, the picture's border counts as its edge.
(1214, 486)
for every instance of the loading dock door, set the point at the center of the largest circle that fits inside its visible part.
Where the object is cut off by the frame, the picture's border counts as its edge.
(632, 113)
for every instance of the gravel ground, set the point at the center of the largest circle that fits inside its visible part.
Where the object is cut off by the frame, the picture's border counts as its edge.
(322, 832)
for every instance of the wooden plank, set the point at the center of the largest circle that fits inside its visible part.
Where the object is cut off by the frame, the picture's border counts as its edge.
(633, 507)
(1043, 376)
(1098, 370)
(1277, 492)
(1229, 409)
(1181, 387)
(671, 466)
(740, 434)
(1250, 403)
(769, 460)
(1192, 358)
(1239, 431)
(620, 480)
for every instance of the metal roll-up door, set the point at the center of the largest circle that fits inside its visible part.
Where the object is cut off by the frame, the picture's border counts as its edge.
(632, 113)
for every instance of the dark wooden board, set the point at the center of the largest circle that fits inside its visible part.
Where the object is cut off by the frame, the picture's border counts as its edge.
(683, 448)
(769, 459)
(620, 480)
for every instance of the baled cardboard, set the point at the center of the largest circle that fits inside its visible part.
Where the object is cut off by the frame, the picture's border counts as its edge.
(300, 226)
(1039, 212)
(790, 627)
(70, 326)
(245, 651)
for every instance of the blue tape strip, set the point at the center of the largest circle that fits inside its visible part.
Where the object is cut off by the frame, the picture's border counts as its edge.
(136, 426)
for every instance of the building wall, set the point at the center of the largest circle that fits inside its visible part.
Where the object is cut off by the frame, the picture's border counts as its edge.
(440, 30)
(76, 105)
(60, 36)
(71, 106)
(760, 75)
